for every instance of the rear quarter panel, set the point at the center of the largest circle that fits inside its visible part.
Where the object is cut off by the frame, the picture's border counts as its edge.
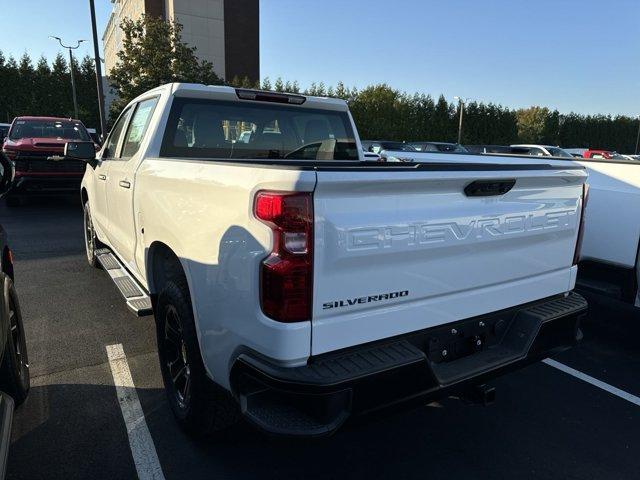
(203, 211)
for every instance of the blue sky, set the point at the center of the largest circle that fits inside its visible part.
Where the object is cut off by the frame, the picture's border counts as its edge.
(573, 55)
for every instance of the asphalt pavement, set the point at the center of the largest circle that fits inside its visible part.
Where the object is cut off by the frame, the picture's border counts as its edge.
(545, 424)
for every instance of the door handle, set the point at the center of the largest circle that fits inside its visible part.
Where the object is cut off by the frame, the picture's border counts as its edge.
(102, 177)
(125, 184)
(489, 188)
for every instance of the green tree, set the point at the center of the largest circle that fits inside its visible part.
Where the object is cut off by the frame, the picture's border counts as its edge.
(153, 54)
(532, 124)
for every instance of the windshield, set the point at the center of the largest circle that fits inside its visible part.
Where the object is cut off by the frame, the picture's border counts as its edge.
(62, 129)
(218, 129)
(558, 152)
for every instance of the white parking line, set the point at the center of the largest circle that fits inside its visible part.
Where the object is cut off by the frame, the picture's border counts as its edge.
(594, 381)
(143, 450)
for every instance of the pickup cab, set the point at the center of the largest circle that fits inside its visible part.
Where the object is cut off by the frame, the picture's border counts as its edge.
(35, 146)
(297, 284)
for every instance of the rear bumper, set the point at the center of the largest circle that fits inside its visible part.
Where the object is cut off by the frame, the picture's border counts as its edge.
(319, 397)
(47, 183)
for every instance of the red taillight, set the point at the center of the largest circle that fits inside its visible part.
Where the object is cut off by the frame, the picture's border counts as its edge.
(585, 198)
(286, 275)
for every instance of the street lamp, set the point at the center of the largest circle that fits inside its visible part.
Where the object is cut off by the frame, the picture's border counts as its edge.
(73, 81)
(96, 53)
(461, 107)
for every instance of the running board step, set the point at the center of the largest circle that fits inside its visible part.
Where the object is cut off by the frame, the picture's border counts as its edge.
(137, 299)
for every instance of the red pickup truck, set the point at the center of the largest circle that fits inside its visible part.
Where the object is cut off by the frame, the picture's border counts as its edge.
(35, 145)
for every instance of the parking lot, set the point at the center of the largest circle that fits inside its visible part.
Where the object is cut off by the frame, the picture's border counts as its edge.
(545, 423)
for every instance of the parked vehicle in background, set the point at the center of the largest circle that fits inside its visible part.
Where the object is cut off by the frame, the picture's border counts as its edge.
(4, 130)
(609, 262)
(94, 136)
(438, 147)
(378, 146)
(603, 155)
(488, 148)
(35, 145)
(540, 150)
(576, 152)
(14, 362)
(283, 288)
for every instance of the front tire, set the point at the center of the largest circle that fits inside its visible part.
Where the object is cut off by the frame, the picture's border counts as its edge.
(200, 406)
(91, 242)
(14, 369)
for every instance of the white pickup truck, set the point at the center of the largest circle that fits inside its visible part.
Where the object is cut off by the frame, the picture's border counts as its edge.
(297, 284)
(609, 260)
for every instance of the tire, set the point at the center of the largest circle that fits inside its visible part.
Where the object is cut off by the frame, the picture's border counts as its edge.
(200, 406)
(91, 242)
(14, 369)
(13, 201)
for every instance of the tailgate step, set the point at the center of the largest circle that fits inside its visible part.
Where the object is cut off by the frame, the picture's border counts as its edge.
(137, 299)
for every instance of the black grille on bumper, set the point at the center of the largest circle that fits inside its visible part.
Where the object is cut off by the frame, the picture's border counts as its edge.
(39, 163)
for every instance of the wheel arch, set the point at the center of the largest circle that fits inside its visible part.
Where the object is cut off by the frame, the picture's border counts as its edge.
(161, 264)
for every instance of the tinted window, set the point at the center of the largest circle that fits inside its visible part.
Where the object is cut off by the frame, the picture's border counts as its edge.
(138, 126)
(63, 129)
(558, 152)
(217, 129)
(114, 136)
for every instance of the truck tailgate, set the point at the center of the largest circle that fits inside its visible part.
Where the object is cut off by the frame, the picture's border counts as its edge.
(398, 251)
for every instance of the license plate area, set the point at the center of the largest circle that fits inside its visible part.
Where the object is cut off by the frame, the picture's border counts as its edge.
(465, 338)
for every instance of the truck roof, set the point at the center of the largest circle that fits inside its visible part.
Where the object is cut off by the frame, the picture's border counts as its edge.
(219, 92)
(32, 117)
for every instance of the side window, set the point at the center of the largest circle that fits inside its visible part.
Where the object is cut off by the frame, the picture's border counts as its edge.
(138, 127)
(110, 151)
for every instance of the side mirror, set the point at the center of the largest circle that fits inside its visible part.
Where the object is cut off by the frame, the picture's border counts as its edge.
(7, 173)
(85, 151)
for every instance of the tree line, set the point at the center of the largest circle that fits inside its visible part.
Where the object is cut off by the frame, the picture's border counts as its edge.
(41, 88)
(153, 53)
(383, 112)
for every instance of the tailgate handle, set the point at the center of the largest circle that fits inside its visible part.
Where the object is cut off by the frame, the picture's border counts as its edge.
(489, 188)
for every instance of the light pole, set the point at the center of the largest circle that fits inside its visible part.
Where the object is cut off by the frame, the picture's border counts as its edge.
(73, 81)
(461, 107)
(96, 52)
(638, 137)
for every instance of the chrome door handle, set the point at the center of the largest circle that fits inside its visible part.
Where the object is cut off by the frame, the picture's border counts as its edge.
(125, 184)
(102, 177)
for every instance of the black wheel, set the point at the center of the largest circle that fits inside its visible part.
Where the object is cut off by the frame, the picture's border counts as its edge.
(13, 201)
(91, 242)
(200, 406)
(14, 369)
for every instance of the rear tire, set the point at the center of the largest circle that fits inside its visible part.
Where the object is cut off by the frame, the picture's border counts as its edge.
(200, 406)
(14, 369)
